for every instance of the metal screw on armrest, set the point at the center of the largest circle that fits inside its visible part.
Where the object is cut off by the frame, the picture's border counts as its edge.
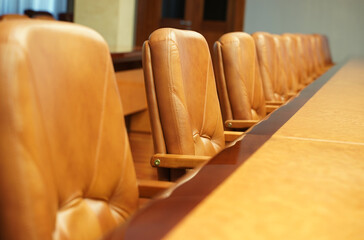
(157, 162)
(229, 124)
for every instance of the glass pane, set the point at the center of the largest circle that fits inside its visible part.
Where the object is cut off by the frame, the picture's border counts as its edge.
(215, 10)
(173, 9)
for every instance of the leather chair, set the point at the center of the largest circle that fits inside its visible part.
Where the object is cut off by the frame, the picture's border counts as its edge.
(275, 89)
(326, 51)
(66, 170)
(13, 17)
(238, 80)
(285, 67)
(295, 61)
(301, 61)
(312, 73)
(307, 78)
(184, 109)
(319, 61)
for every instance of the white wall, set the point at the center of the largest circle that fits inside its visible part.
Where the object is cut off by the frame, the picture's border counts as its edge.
(341, 20)
(113, 19)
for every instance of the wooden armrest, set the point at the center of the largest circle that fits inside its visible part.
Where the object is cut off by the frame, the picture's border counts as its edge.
(291, 94)
(150, 188)
(274, 102)
(271, 108)
(240, 123)
(301, 86)
(231, 136)
(177, 160)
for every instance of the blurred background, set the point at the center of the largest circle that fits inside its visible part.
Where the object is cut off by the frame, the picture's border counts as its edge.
(125, 24)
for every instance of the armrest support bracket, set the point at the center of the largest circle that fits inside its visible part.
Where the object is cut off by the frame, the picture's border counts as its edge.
(240, 123)
(177, 160)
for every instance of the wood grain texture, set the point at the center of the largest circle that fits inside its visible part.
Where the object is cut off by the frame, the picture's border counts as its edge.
(178, 160)
(151, 188)
(240, 123)
(139, 122)
(127, 60)
(149, 18)
(274, 184)
(271, 108)
(335, 112)
(289, 189)
(132, 92)
(231, 136)
(306, 182)
(141, 145)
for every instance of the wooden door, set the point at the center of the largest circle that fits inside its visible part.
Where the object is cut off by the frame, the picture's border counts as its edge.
(211, 18)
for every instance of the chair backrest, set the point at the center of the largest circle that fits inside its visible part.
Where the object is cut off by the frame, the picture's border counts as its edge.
(318, 58)
(13, 17)
(294, 44)
(304, 59)
(181, 93)
(66, 170)
(285, 67)
(309, 54)
(274, 88)
(290, 44)
(326, 50)
(238, 78)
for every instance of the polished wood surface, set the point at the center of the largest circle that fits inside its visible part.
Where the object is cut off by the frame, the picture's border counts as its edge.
(130, 81)
(297, 175)
(336, 112)
(141, 145)
(306, 182)
(150, 188)
(289, 189)
(127, 60)
(132, 90)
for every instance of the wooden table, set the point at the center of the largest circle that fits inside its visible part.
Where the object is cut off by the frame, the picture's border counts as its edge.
(132, 90)
(130, 80)
(297, 175)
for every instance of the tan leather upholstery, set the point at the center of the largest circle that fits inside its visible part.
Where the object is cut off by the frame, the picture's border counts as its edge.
(181, 94)
(301, 61)
(286, 69)
(317, 53)
(309, 57)
(275, 88)
(294, 61)
(13, 17)
(321, 51)
(238, 78)
(304, 65)
(66, 170)
(326, 51)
